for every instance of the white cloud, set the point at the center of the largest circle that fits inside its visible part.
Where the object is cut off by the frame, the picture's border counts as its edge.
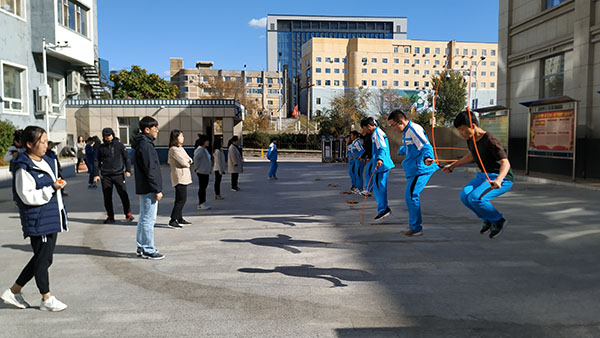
(261, 36)
(167, 73)
(258, 23)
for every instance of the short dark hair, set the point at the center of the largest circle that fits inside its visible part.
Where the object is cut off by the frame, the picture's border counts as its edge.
(17, 137)
(273, 139)
(368, 121)
(31, 134)
(202, 139)
(173, 137)
(354, 133)
(147, 122)
(462, 119)
(397, 115)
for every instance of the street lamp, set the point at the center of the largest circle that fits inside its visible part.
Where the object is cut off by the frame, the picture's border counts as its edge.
(46, 90)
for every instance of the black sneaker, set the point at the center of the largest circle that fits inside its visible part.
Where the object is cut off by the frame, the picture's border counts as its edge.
(485, 227)
(182, 221)
(174, 224)
(139, 252)
(156, 255)
(412, 233)
(129, 217)
(498, 227)
(109, 220)
(384, 214)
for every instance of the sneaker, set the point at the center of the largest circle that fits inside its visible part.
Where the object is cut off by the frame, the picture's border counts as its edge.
(129, 217)
(412, 233)
(271, 178)
(174, 224)
(109, 220)
(384, 214)
(139, 252)
(485, 227)
(203, 206)
(52, 304)
(275, 178)
(90, 186)
(365, 193)
(156, 255)
(15, 299)
(182, 221)
(498, 227)
(235, 189)
(219, 198)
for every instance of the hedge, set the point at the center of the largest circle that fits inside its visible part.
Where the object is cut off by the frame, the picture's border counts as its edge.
(285, 141)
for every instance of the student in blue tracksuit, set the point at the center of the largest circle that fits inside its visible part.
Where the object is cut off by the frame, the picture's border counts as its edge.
(272, 156)
(351, 162)
(418, 166)
(365, 161)
(382, 163)
(358, 166)
(90, 159)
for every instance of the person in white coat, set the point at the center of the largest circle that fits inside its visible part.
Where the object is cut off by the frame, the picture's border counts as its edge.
(235, 162)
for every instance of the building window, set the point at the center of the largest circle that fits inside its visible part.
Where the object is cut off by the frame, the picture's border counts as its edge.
(457, 51)
(269, 79)
(417, 50)
(395, 49)
(492, 85)
(248, 79)
(406, 72)
(336, 70)
(344, 60)
(473, 52)
(318, 100)
(484, 52)
(57, 86)
(473, 84)
(482, 84)
(374, 60)
(384, 83)
(483, 73)
(427, 62)
(384, 71)
(437, 72)
(71, 15)
(406, 50)
(317, 70)
(128, 127)
(483, 63)
(374, 71)
(426, 84)
(396, 71)
(417, 72)
(417, 61)
(318, 82)
(493, 52)
(345, 83)
(395, 83)
(364, 60)
(492, 73)
(270, 102)
(416, 83)
(406, 84)
(493, 63)
(465, 63)
(344, 71)
(336, 83)
(328, 82)
(396, 60)
(374, 83)
(364, 70)
(384, 60)
(14, 83)
(318, 59)
(552, 3)
(14, 7)
(553, 80)
(427, 72)
(407, 61)
(364, 83)
(437, 62)
(327, 70)
(328, 60)
(336, 60)
(437, 51)
(427, 50)
(465, 52)
(185, 89)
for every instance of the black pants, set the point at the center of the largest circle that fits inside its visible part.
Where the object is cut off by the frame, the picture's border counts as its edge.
(107, 188)
(39, 263)
(203, 184)
(79, 160)
(180, 199)
(218, 178)
(234, 180)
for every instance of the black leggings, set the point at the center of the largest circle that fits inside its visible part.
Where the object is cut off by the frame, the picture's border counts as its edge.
(203, 183)
(180, 199)
(218, 178)
(39, 263)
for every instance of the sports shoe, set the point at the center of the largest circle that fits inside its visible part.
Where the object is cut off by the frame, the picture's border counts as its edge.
(182, 221)
(271, 178)
(174, 224)
(129, 217)
(275, 178)
(384, 214)
(139, 252)
(15, 299)
(412, 233)
(498, 227)
(485, 227)
(235, 189)
(219, 198)
(365, 193)
(203, 206)
(109, 220)
(52, 304)
(155, 255)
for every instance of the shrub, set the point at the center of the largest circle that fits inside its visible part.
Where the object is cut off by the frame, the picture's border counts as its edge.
(286, 141)
(7, 130)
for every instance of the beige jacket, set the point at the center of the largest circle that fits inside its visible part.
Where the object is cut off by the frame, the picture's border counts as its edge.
(235, 162)
(180, 164)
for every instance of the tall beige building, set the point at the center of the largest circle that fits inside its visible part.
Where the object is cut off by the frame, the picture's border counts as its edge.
(330, 66)
(262, 91)
(550, 62)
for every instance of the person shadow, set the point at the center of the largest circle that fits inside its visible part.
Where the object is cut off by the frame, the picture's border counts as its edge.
(333, 275)
(284, 242)
(75, 250)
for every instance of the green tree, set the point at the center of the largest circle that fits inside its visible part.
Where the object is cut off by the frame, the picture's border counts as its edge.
(346, 109)
(138, 84)
(7, 130)
(451, 96)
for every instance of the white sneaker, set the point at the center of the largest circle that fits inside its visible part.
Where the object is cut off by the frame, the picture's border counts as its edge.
(15, 299)
(204, 206)
(52, 304)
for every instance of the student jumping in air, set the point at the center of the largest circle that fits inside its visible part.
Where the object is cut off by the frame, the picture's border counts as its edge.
(418, 166)
(479, 192)
(382, 163)
(272, 156)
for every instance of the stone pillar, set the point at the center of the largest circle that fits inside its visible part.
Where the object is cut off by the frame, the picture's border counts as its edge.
(228, 130)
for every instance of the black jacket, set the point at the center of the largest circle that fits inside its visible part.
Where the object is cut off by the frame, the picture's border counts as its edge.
(148, 178)
(112, 159)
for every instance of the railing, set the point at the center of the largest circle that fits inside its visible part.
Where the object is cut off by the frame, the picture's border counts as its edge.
(154, 102)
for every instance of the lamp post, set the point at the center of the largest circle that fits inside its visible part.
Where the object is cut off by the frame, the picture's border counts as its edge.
(46, 91)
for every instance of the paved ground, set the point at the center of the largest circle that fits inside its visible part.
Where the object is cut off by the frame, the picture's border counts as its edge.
(291, 259)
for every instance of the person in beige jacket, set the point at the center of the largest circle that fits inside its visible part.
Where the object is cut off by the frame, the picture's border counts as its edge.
(235, 162)
(181, 176)
(220, 167)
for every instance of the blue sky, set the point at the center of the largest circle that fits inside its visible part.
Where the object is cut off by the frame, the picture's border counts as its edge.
(149, 32)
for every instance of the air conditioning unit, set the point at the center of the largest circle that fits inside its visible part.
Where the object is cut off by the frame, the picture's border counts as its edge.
(73, 84)
(42, 92)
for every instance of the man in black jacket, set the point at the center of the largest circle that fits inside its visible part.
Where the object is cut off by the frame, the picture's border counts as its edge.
(148, 185)
(112, 163)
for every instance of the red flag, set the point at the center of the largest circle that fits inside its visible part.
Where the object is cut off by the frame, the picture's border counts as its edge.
(295, 112)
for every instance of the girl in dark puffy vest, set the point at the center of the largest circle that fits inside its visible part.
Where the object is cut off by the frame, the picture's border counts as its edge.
(37, 191)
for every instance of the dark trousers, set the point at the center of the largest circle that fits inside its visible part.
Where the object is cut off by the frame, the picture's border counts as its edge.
(180, 199)
(90, 166)
(39, 263)
(234, 180)
(107, 188)
(218, 178)
(79, 160)
(203, 183)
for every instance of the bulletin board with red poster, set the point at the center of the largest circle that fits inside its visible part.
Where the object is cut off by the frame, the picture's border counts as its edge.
(552, 131)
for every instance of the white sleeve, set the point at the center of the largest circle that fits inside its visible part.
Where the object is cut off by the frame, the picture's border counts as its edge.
(418, 137)
(25, 187)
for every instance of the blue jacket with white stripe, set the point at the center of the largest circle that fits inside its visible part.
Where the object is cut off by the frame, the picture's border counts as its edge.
(416, 148)
(381, 150)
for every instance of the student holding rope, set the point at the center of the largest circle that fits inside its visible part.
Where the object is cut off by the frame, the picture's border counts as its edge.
(418, 166)
(495, 178)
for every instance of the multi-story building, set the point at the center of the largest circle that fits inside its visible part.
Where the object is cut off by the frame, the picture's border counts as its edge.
(331, 66)
(550, 63)
(287, 33)
(260, 91)
(70, 30)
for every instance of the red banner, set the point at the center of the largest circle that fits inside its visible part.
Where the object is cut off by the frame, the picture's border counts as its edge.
(552, 131)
